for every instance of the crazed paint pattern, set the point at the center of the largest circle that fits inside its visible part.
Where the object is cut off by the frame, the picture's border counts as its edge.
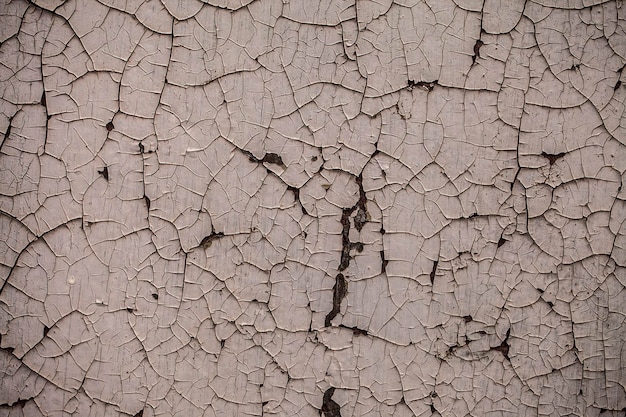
(297, 207)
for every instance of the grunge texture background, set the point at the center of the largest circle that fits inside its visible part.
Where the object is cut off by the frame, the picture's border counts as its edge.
(305, 207)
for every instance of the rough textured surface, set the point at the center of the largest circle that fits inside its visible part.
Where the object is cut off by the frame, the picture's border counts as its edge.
(295, 208)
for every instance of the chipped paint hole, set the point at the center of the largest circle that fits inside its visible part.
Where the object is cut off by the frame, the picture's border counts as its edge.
(433, 272)
(552, 157)
(104, 172)
(329, 407)
(479, 43)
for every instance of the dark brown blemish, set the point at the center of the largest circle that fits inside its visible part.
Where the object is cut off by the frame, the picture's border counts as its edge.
(270, 158)
(345, 239)
(432, 273)
(358, 246)
(477, 47)
(273, 158)
(139, 414)
(105, 173)
(552, 158)
(110, 126)
(355, 330)
(296, 194)
(147, 200)
(8, 132)
(424, 85)
(329, 407)
(501, 242)
(384, 262)
(340, 289)
(207, 241)
(46, 329)
(6, 349)
(504, 346)
(618, 84)
(18, 403)
(155, 296)
(467, 319)
(361, 215)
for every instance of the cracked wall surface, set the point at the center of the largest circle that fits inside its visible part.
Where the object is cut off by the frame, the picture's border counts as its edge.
(304, 208)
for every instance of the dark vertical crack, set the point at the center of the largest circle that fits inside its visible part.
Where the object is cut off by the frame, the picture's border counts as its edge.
(384, 262)
(361, 214)
(345, 239)
(340, 290)
(8, 132)
(329, 407)
(360, 218)
(296, 194)
(432, 273)
(147, 200)
(479, 43)
(504, 346)
(433, 395)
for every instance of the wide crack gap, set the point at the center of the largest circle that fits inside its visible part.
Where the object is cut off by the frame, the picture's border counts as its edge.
(340, 289)
(329, 407)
